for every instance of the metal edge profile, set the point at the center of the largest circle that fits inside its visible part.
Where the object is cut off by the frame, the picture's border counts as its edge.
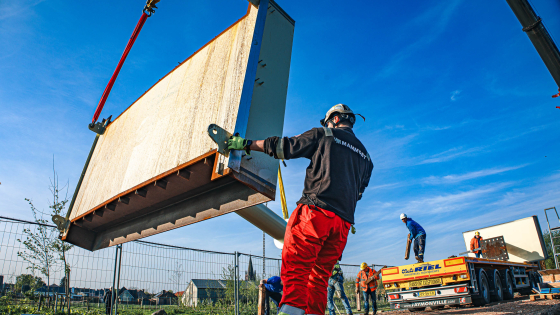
(255, 182)
(254, 2)
(281, 11)
(541, 238)
(249, 83)
(78, 185)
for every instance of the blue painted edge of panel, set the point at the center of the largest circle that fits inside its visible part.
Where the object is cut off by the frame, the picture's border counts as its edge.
(249, 83)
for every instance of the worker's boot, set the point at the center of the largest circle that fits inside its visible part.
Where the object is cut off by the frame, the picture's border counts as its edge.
(420, 260)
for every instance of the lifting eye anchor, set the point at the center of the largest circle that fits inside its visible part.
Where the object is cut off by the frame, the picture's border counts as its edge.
(99, 127)
(150, 7)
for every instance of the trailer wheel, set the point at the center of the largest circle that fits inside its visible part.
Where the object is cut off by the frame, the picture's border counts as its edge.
(535, 279)
(497, 286)
(483, 289)
(507, 283)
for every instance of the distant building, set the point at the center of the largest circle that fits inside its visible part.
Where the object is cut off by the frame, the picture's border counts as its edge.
(129, 296)
(200, 290)
(75, 293)
(51, 290)
(164, 298)
(250, 274)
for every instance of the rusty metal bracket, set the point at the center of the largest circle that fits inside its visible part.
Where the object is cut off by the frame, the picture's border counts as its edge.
(494, 248)
(220, 136)
(99, 128)
(61, 223)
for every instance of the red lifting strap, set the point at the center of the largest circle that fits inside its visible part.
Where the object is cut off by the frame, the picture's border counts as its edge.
(119, 66)
(556, 95)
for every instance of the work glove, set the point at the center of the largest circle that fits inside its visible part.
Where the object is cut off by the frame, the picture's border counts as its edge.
(238, 143)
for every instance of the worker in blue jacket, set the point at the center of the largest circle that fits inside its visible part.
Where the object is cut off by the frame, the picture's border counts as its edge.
(417, 234)
(274, 287)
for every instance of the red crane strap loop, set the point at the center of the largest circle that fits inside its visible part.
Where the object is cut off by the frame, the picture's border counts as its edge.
(119, 66)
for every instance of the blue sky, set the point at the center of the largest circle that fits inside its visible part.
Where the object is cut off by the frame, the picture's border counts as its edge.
(459, 119)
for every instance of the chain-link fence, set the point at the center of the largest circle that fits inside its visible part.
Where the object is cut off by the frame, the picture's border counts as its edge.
(148, 276)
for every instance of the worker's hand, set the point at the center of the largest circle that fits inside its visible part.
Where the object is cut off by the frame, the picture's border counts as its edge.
(383, 267)
(237, 143)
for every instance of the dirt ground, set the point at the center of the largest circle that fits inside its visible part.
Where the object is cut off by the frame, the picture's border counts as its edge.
(520, 305)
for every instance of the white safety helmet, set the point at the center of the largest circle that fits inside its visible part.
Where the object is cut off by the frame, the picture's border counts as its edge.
(344, 111)
(403, 216)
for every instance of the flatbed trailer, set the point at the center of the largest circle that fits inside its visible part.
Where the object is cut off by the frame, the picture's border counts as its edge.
(457, 281)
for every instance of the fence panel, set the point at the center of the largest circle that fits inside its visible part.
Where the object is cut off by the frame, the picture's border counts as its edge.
(152, 276)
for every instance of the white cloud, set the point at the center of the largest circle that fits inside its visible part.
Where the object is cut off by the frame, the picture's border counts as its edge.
(436, 19)
(436, 180)
(15, 8)
(451, 154)
(455, 95)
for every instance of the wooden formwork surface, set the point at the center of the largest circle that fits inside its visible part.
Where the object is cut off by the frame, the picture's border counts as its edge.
(167, 126)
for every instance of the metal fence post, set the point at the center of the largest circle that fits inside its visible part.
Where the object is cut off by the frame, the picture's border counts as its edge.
(116, 279)
(236, 286)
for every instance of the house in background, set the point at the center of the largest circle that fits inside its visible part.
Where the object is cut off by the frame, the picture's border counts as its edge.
(179, 294)
(200, 290)
(164, 298)
(51, 290)
(129, 296)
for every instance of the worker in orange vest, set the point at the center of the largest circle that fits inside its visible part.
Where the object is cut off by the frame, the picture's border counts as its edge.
(367, 282)
(475, 243)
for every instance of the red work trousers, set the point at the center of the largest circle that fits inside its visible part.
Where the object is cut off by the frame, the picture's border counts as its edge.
(314, 241)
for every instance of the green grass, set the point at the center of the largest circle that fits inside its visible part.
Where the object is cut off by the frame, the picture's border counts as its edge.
(10, 306)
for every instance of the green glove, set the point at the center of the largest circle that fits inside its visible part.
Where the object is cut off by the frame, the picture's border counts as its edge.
(238, 143)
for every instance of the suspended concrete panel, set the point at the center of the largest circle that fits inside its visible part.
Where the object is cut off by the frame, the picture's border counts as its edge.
(523, 239)
(156, 168)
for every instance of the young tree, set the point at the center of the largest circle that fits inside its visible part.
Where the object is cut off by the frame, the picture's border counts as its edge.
(43, 249)
(27, 282)
(228, 276)
(38, 251)
(549, 263)
(176, 276)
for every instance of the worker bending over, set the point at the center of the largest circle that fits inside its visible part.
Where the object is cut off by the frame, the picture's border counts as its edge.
(475, 244)
(337, 175)
(336, 283)
(366, 281)
(417, 234)
(273, 286)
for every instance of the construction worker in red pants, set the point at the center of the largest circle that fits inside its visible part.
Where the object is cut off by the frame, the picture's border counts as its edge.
(316, 234)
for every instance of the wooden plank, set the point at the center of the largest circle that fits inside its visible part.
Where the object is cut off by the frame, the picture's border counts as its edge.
(407, 249)
(262, 298)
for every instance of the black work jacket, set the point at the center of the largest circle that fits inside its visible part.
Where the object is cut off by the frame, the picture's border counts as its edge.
(339, 170)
